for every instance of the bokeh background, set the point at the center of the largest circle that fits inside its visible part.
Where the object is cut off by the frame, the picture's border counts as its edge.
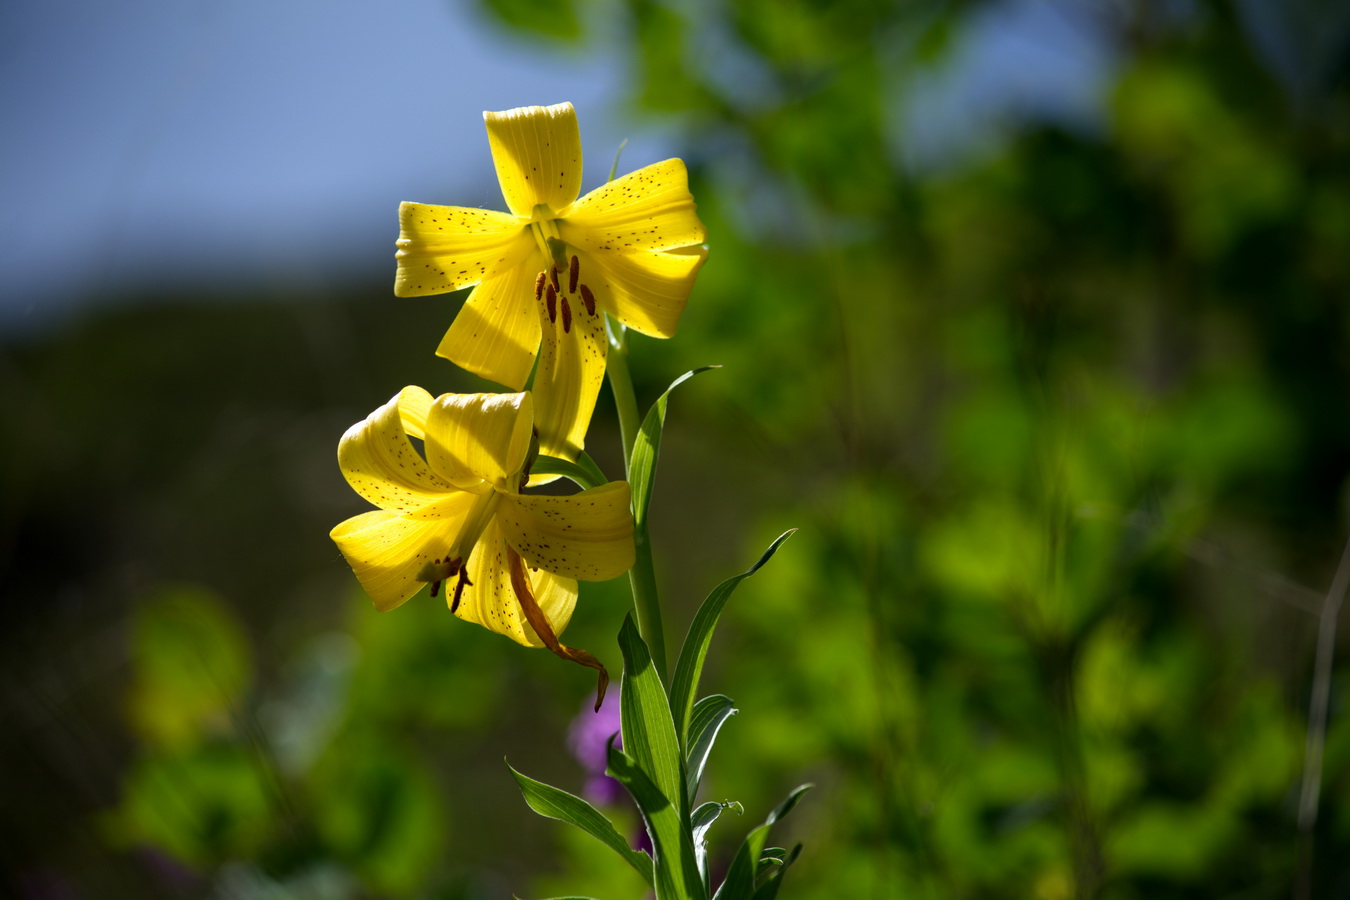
(1032, 317)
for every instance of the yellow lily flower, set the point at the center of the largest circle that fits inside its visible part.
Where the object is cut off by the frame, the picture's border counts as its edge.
(548, 268)
(456, 516)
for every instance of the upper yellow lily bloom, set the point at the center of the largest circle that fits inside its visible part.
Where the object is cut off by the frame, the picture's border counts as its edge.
(457, 515)
(548, 268)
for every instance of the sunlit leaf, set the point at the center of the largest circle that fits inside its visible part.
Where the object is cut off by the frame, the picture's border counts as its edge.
(647, 447)
(558, 804)
(695, 649)
(706, 721)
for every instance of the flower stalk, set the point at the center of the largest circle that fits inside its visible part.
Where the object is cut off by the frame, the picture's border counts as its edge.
(642, 576)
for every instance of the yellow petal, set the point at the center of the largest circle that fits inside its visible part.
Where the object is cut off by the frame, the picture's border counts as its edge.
(387, 551)
(474, 439)
(587, 535)
(381, 464)
(646, 290)
(571, 370)
(650, 209)
(496, 334)
(537, 152)
(445, 248)
(491, 602)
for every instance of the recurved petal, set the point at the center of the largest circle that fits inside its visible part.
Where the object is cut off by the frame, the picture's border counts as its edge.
(650, 209)
(387, 551)
(381, 464)
(571, 370)
(537, 152)
(477, 438)
(444, 248)
(647, 290)
(492, 603)
(496, 334)
(587, 535)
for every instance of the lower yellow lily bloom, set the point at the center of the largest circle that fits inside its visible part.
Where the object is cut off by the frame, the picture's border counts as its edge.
(456, 518)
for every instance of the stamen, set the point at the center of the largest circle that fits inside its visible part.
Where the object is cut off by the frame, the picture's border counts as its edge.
(551, 301)
(567, 316)
(539, 622)
(539, 286)
(573, 273)
(589, 299)
(462, 582)
(553, 276)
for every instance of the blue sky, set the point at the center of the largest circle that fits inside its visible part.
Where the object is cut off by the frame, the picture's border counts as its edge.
(197, 146)
(203, 143)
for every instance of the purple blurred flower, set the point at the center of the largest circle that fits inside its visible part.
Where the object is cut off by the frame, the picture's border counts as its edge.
(587, 738)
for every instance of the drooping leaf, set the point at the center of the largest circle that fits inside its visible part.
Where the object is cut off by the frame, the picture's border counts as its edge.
(703, 819)
(695, 650)
(647, 446)
(555, 803)
(706, 721)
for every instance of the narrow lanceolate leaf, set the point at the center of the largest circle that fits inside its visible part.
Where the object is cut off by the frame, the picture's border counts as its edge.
(706, 721)
(677, 876)
(646, 447)
(648, 731)
(740, 881)
(557, 804)
(649, 738)
(781, 810)
(700, 822)
(695, 649)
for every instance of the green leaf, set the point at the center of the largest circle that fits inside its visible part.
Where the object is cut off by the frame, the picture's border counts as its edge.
(700, 822)
(695, 649)
(781, 810)
(649, 738)
(773, 856)
(557, 804)
(768, 889)
(706, 721)
(677, 876)
(584, 471)
(646, 447)
(740, 881)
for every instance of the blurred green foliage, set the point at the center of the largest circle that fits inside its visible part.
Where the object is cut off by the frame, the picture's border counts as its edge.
(1063, 422)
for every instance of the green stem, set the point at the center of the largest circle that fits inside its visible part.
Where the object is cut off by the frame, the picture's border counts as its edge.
(642, 577)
